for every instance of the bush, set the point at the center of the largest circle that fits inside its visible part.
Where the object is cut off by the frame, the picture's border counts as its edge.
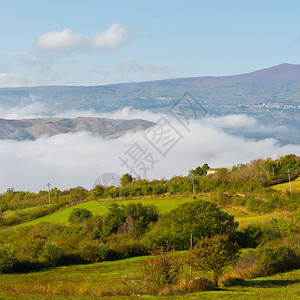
(163, 268)
(278, 228)
(77, 215)
(34, 247)
(103, 252)
(90, 253)
(279, 259)
(125, 246)
(246, 268)
(53, 255)
(8, 259)
(250, 237)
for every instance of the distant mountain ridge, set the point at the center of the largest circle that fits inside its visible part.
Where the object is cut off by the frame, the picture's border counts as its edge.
(280, 82)
(31, 129)
(271, 95)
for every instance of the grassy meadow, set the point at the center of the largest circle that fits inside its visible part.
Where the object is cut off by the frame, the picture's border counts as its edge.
(100, 207)
(106, 279)
(295, 185)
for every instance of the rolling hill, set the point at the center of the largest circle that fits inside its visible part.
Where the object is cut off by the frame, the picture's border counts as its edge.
(34, 128)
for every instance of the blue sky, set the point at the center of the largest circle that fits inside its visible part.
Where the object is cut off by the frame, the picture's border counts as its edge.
(90, 42)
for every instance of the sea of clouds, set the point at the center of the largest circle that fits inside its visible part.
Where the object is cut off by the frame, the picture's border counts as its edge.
(70, 160)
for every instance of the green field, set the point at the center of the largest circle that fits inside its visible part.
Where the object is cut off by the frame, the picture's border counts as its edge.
(295, 185)
(241, 215)
(10, 213)
(101, 207)
(102, 280)
(246, 218)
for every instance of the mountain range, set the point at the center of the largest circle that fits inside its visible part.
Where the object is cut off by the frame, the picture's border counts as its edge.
(271, 95)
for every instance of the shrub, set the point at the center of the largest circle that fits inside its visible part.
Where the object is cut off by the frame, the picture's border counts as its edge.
(103, 252)
(254, 204)
(279, 259)
(250, 237)
(53, 255)
(77, 215)
(246, 268)
(90, 252)
(162, 268)
(278, 228)
(34, 247)
(8, 259)
(125, 246)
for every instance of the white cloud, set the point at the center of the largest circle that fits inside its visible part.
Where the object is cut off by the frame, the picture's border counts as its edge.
(62, 41)
(241, 122)
(66, 161)
(115, 37)
(11, 80)
(66, 41)
(32, 110)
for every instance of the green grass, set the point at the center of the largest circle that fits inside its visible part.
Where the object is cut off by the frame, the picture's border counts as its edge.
(101, 207)
(99, 279)
(286, 187)
(241, 215)
(11, 213)
(246, 218)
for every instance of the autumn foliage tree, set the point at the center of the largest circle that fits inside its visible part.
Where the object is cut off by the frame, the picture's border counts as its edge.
(213, 254)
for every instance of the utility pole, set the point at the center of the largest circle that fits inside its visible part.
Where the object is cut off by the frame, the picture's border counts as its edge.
(289, 173)
(191, 247)
(194, 194)
(49, 193)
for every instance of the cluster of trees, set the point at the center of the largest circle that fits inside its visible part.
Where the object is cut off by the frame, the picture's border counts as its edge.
(245, 178)
(250, 180)
(125, 231)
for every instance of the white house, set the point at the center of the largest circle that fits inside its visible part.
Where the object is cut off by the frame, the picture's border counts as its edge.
(211, 171)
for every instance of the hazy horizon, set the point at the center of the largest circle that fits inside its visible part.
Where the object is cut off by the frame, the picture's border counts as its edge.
(78, 159)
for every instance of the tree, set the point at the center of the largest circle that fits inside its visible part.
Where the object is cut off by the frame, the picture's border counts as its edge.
(199, 218)
(98, 191)
(125, 179)
(205, 167)
(140, 217)
(77, 215)
(213, 254)
(197, 171)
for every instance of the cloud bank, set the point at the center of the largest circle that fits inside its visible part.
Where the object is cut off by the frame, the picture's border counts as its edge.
(69, 160)
(66, 41)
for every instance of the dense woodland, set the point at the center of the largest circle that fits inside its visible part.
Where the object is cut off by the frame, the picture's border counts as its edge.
(138, 229)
